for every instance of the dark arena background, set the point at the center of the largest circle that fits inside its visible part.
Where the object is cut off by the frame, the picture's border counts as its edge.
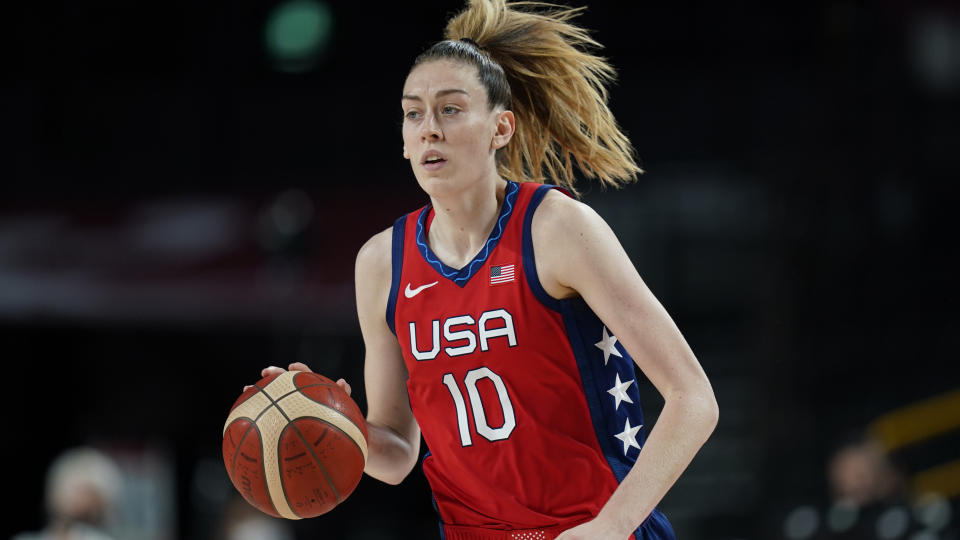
(185, 186)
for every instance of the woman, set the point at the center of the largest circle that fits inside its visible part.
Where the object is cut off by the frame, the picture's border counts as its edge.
(510, 306)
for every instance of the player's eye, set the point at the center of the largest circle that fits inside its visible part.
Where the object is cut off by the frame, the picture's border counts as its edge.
(449, 109)
(411, 115)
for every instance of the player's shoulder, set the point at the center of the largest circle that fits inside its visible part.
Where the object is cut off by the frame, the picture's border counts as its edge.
(374, 257)
(560, 214)
(555, 199)
(378, 243)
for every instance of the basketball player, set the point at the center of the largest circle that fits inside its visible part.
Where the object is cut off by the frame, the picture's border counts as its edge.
(498, 318)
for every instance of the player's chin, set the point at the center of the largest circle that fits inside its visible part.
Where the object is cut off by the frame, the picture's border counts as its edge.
(435, 184)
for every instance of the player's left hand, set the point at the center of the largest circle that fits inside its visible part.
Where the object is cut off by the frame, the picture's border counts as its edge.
(592, 530)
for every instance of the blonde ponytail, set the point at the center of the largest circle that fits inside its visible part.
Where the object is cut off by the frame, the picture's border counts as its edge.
(554, 85)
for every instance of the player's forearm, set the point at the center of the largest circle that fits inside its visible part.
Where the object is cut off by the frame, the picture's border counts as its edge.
(685, 423)
(390, 456)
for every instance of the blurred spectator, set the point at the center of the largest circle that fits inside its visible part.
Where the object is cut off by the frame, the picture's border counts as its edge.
(82, 490)
(861, 474)
(871, 498)
(244, 522)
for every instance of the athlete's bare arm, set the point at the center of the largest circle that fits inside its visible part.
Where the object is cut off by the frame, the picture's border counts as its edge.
(394, 434)
(577, 253)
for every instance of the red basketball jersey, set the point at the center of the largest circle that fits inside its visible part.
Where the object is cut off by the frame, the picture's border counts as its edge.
(528, 405)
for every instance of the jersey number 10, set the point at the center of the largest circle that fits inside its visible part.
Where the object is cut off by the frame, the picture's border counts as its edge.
(479, 416)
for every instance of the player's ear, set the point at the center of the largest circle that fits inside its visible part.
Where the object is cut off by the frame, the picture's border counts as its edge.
(506, 125)
(405, 154)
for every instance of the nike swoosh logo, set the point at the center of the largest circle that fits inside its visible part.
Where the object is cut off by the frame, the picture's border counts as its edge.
(410, 293)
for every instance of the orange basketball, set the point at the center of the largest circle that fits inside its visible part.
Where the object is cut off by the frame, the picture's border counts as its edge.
(295, 445)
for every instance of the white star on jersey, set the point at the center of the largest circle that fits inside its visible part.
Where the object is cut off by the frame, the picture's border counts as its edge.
(619, 392)
(608, 345)
(629, 436)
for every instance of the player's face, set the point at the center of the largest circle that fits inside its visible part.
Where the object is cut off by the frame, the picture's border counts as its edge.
(449, 130)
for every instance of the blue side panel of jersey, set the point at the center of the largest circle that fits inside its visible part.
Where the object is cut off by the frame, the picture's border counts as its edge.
(585, 331)
(433, 498)
(655, 527)
(399, 227)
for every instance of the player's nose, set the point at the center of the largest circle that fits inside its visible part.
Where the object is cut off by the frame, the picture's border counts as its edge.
(430, 128)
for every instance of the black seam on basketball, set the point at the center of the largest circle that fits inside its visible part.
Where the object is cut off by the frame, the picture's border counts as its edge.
(272, 404)
(334, 426)
(233, 465)
(295, 390)
(263, 470)
(263, 465)
(313, 454)
(244, 400)
(305, 443)
(336, 411)
(264, 411)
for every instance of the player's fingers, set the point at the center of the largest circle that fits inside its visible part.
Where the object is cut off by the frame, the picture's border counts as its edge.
(247, 387)
(300, 366)
(345, 385)
(272, 370)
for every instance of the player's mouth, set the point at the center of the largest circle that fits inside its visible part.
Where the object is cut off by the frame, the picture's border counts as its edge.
(433, 160)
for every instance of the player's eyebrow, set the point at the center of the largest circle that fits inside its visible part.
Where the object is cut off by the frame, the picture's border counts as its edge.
(440, 93)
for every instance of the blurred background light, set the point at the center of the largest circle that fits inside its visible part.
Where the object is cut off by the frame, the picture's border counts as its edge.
(801, 523)
(893, 523)
(935, 44)
(297, 34)
(934, 511)
(842, 516)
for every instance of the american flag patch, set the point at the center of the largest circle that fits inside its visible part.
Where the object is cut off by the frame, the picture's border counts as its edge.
(501, 274)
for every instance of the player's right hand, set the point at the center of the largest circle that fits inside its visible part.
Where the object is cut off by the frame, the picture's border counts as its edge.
(296, 366)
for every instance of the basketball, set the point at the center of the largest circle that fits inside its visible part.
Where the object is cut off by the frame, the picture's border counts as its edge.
(295, 445)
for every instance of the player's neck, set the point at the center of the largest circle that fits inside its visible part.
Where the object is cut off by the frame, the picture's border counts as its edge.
(462, 222)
